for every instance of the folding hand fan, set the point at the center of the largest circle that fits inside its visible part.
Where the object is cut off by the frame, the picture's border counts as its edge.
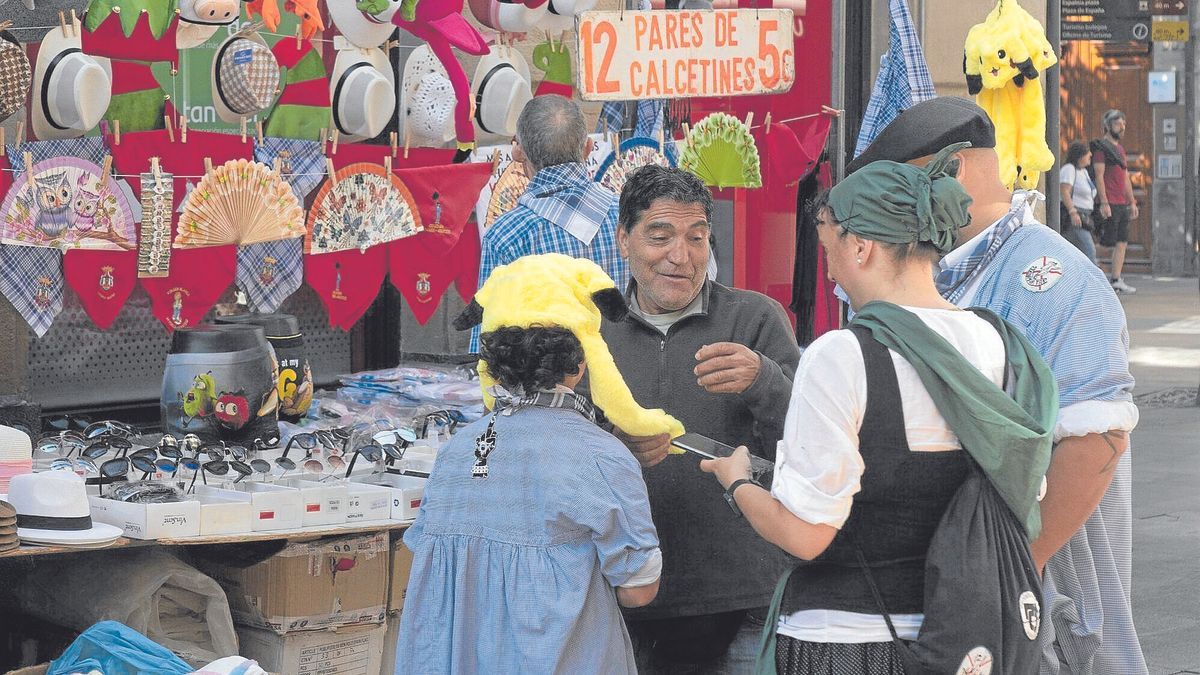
(239, 202)
(506, 192)
(361, 206)
(721, 152)
(633, 154)
(68, 203)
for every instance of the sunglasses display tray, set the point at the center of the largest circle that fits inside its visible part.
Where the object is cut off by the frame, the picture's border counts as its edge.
(273, 507)
(148, 521)
(407, 493)
(323, 503)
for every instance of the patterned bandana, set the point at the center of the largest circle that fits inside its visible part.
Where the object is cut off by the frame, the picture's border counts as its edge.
(301, 162)
(347, 282)
(565, 196)
(32, 277)
(269, 272)
(103, 280)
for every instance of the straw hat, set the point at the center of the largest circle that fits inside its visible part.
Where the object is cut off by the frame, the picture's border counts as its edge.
(71, 90)
(52, 508)
(361, 27)
(501, 90)
(245, 77)
(362, 91)
(427, 99)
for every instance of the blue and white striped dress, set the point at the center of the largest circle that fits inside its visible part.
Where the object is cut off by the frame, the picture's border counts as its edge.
(1078, 326)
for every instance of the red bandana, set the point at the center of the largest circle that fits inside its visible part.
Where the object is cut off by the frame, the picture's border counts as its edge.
(198, 276)
(466, 255)
(793, 151)
(103, 280)
(347, 282)
(422, 266)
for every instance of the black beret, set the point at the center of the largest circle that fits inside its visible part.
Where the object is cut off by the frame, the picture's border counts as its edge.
(926, 128)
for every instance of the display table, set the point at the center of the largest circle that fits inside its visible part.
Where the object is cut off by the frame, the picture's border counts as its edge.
(298, 534)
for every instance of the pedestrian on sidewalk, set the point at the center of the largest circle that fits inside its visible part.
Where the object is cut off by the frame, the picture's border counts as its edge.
(1027, 273)
(1078, 199)
(1115, 191)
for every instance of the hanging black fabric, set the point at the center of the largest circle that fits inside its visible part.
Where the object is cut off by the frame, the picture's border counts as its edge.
(804, 275)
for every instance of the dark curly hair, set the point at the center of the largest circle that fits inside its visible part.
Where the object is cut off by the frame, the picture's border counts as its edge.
(529, 359)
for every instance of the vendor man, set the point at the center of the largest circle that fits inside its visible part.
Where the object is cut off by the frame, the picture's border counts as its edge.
(721, 360)
(1008, 262)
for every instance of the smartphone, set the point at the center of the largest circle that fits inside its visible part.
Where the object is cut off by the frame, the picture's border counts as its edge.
(711, 449)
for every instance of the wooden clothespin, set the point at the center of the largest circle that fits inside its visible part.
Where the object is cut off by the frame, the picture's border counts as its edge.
(183, 124)
(392, 141)
(407, 138)
(549, 39)
(105, 170)
(335, 140)
(258, 130)
(207, 164)
(687, 134)
(157, 171)
(243, 129)
(324, 134)
(276, 164)
(332, 171)
(662, 140)
(20, 132)
(75, 24)
(2, 150)
(29, 166)
(298, 43)
(767, 123)
(116, 132)
(62, 23)
(562, 42)
(387, 164)
(495, 160)
(749, 118)
(170, 127)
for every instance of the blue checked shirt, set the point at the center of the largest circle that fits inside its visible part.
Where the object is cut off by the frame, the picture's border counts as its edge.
(903, 78)
(560, 193)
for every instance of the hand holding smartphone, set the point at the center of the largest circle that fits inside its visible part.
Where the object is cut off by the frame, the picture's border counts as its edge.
(711, 449)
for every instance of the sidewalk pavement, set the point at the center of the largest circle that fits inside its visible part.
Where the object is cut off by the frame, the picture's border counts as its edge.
(1164, 327)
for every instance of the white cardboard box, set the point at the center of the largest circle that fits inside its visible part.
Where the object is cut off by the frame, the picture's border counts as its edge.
(148, 521)
(407, 493)
(324, 503)
(222, 515)
(353, 650)
(273, 507)
(368, 503)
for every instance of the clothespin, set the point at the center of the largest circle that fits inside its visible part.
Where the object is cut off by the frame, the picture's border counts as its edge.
(20, 132)
(2, 150)
(207, 164)
(549, 39)
(387, 164)
(749, 118)
(562, 43)
(75, 24)
(687, 134)
(332, 171)
(392, 142)
(62, 23)
(298, 43)
(116, 132)
(105, 170)
(662, 140)
(495, 160)
(407, 138)
(183, 124)
(243, 129)
(324, 133)
(258, 130)
(767, 123)
(157, 171)
(170, 127)
(335, 141)
(29, 166)
(275, 165)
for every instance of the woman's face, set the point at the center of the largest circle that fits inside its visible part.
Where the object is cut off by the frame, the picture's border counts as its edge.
(1085, 160)
(837, 247)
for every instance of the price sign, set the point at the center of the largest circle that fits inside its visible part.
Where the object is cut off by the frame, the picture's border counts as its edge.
(685, 54)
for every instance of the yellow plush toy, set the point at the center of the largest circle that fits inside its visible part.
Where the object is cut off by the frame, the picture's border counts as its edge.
(1002, 59)
(557, 290)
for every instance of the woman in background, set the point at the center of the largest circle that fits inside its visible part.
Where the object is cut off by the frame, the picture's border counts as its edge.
(1078, 199)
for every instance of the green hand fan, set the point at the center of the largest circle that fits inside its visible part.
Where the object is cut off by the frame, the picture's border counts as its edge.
(721, 152)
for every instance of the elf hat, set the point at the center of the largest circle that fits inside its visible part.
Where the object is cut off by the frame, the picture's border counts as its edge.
(245, 77)
(15, 75)
(501, 90)
(71, 90)
(427, 99)
(557, 290)
(364, 23)
(363, 92)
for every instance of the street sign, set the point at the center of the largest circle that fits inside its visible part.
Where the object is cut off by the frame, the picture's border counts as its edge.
(1107, 9)
(1173, 7)
(1169, 31)
(1108, 30)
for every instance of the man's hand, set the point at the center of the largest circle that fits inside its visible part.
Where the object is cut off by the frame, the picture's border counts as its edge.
(648, 450)
(1133, 211)
(1105, 210)
(726, 368)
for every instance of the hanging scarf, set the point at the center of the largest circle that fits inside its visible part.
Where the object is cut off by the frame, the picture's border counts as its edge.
(1009, 437)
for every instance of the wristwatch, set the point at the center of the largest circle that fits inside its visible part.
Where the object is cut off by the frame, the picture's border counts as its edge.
(732, 488)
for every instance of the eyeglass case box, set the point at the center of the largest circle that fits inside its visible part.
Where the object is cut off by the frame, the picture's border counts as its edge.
(407, 493)
(324, 503)
(368, 503)
(148, 521)
(273, 507)
(358, 650)
(221, 515)
(338, 581)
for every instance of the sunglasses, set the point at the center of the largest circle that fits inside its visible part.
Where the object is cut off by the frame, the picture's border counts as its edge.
(373, 452)
(221, 467)
(79, 465)
(143, 460)
(68, 422)
(109, 428)
(99, 448)
(332, 464)
(306, 441)
(60, 443)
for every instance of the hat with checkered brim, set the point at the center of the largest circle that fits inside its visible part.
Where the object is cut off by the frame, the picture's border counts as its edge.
(245, 77)
(15, 75)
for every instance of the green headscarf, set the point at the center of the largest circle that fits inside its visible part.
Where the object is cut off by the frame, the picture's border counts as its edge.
(903, 204)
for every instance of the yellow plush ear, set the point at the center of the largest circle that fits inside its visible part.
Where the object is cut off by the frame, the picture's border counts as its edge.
(999, 104)
(610, 394)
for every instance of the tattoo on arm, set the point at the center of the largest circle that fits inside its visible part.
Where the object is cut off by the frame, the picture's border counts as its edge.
(1116, 453)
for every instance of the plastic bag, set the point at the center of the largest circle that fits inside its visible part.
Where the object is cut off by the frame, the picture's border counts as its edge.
(112, 647)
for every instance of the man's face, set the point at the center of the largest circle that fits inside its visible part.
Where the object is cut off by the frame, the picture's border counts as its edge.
(1117, 127)
(668, 254)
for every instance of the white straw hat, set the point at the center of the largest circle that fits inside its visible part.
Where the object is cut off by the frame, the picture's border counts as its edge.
(360, 27)
(52, 508)
(362, 91)
(427, 99)
(501, 90)
(71, 90)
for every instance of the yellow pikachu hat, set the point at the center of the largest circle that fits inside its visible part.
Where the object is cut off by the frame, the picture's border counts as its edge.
(572, 293)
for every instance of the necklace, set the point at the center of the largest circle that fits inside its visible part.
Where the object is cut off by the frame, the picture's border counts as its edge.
(485, 443)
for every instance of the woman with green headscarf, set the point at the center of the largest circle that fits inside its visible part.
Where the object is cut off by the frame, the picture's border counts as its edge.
(872, 451)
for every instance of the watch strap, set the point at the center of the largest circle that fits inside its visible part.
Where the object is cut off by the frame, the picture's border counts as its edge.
(733, 488)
